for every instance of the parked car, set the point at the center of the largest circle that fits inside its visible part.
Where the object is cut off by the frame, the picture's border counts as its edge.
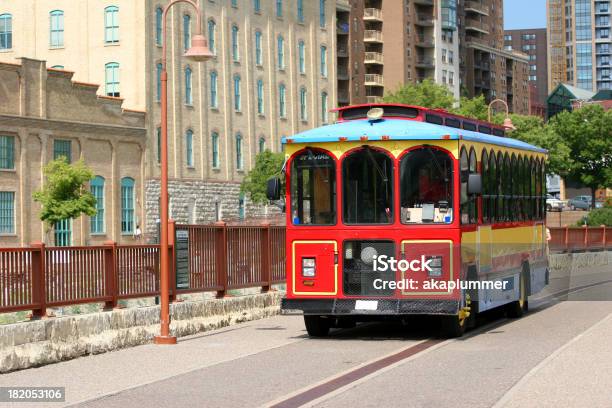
(554, 204)
(582, 202)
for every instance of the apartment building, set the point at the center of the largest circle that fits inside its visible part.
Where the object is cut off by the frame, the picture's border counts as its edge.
(486, 67)
(274, 74)
(350, 52)
(579, 44)
(533, 43)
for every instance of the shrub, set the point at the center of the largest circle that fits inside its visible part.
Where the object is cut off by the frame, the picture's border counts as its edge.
(600, 216)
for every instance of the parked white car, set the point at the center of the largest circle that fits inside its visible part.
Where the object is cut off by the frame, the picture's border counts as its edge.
(554, 204)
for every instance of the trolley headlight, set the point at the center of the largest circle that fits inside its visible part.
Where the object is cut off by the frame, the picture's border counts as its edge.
(309, 267)
(435, 266)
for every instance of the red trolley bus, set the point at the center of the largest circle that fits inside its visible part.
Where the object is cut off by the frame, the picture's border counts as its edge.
(456, 203)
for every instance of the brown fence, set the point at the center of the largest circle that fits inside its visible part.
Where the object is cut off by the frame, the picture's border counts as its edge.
(221, 258)
(572, 239)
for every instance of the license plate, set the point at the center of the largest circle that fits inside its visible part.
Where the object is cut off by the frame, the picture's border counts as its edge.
(366, 305)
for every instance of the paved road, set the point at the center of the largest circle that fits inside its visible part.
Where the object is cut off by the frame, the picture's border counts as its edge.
(557, 355)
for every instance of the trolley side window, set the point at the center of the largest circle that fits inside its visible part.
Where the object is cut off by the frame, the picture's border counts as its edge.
(313, 189)
(367, 187)
(426, 184)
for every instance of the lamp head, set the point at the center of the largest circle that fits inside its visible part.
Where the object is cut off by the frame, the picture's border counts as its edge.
(199, 50)
(508, 124)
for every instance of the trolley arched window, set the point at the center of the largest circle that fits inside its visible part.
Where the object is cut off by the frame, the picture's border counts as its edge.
(500, 216)
(484, 164)
(514, 202)
(507, 174)
(367, 187)
(426, 186)
(464, 168)
(313, 189)
(493, 187)
(473, 199)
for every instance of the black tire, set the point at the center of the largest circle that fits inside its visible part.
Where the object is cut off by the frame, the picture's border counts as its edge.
(518, 308)
(345, 323)
(317, 326)
(452, 327)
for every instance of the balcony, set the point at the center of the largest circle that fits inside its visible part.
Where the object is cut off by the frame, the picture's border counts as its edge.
(424, 42)
(423, 2)
(426, 63)
(343, 97)
(372, 36)
(374, 80)
(475, 25)
(343, 74)
(476, 7)
(372, 14)
(342, 52)
(373, 99)
(373, 58)
(424, 20)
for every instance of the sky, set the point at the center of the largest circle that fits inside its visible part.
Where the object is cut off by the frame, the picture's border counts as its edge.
(524, 14)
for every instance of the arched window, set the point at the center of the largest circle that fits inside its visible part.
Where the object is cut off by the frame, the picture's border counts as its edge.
(186, 32)
(322, 13)
(532, 170)
(426, 186)
(237, 101)
(257, 5)
(282, 109)
(515, 175)
(111, 24)
(239, 163)
(367, 187)
(158, 72)
(493, 187)
(112, 79)
(521, 188)
(484, 167)
(188, 86)
(215, 150)
(324, 61)
(262, 144)
(501, 188)
(300, 11)
(464, 168)
(127, 205)
(57, 67)
(302, 57)
(235, 50)
(324, 107)
(303, 110)
(189, 148)
(313, 189)
(97, 190)
(507, 187)
(280, 48)
(214, 102)
(159, 15)
(56, 29)
(212, 33)
(258, 49)
(260, 97)
(6, 31)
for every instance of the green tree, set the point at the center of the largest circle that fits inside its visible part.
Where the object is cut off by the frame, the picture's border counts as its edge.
(472, 107)
(267, 165)
(426, 93)
(588, 134)
(64, 194)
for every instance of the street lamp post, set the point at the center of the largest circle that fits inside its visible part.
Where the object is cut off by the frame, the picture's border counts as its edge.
(198, 52)
(507, 121)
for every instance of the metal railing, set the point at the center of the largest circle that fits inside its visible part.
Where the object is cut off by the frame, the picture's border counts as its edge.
(372, 35)
(373, 57)
(472, 24)
(374, 79)
(372, 14)
(477, 6)
(572, 239)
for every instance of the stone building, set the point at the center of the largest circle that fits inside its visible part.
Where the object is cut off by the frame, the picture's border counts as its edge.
(274, 74)
(45, 114)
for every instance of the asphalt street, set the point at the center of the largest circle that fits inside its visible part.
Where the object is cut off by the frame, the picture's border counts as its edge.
(558, 354)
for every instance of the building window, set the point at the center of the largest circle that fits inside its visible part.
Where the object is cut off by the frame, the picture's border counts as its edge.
(158, 133)
(451, 57)
(189, 147)
(7, 212)
(260, 97)
(97, 190)
(6, 31)
(212, 31)
(159, 15)
(186, 32)
(303, 112)
(158, 72)
(215, 150)
(300, 11)
(258, 50)
(62, 148)
(302, 57)
(241, 207)
(111, 79)
(7, 152)
(324, 113)
(63, 233)
(279, 8)
(127, 205)
(239, 151)
(322, 13)
(257, 5)
(282, 109)
(213, 90)
(281, 52)
(188, 86)
(56, 35)
(324, 61)
(235, 3)
(237, 101)
(444, 55)
(235, 51)
(111, 24)
(262, 144)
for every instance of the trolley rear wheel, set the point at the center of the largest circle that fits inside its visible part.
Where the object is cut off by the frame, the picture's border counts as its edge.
(317, 326)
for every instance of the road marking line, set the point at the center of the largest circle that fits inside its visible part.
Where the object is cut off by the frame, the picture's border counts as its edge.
(514, 389)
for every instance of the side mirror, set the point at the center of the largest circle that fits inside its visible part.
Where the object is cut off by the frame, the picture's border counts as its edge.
(273, 189)
(474, 184)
